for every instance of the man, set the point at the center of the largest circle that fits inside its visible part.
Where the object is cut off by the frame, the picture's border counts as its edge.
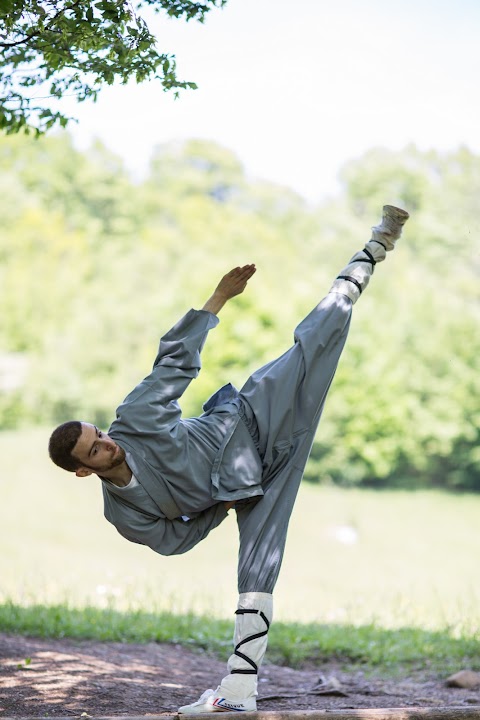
(168, 481)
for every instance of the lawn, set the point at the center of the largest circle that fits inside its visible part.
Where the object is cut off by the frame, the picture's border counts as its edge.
(394, 559)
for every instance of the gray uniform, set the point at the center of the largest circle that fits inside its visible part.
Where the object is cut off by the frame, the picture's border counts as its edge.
(249, 446)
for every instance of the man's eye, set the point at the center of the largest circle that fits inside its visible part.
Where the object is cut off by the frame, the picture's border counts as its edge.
(100, 433)
(95, 450)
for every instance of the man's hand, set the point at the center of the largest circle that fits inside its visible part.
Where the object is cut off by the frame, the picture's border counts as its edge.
(232, 284)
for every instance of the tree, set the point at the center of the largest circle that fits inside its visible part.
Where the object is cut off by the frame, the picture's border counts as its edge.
(94, 266)
(50, 48)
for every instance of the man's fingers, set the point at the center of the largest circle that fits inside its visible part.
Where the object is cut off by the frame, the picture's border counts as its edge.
(242, 273)
(245, 274)
(246, 270)
(235, 281)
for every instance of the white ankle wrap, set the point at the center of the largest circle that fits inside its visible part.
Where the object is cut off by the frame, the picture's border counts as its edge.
(253, 617)
(354, 278)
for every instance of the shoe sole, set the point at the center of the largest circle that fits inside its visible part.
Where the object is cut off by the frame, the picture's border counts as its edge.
(399, 213)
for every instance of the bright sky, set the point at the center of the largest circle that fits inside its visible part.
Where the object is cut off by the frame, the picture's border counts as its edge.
(296, 88)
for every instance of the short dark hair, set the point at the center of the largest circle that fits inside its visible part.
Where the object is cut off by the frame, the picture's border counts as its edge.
(61, 443)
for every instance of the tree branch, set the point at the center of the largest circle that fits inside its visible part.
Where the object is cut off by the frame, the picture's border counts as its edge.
(47, 28)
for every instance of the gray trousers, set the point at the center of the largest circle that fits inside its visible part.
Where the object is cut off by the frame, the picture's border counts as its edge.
(281, 405)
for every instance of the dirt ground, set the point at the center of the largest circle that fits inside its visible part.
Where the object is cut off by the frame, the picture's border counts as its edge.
(65, 677)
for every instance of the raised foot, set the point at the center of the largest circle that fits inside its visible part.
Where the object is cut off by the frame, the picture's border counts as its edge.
(390, 229)
(396, 212)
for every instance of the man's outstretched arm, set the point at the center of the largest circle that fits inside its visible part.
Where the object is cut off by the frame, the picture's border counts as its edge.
(232, 284)
(177, 362)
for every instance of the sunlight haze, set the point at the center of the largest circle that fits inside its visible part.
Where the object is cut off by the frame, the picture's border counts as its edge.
(297, 89)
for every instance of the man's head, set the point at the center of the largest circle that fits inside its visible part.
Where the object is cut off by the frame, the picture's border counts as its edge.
(84, 449)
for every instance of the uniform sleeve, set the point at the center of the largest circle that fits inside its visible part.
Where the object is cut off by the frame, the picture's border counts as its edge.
(170, 537)
(177, 363)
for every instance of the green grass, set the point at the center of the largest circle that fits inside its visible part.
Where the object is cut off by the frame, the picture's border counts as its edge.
(404, 589)
(289, 643)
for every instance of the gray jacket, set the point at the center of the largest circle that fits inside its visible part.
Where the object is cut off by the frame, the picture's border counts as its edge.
(185, 467)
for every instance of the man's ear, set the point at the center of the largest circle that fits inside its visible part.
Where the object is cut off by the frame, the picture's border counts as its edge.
(83, 472)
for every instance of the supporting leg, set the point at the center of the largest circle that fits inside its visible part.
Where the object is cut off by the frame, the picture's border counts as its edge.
(253, 618)
(238, 689)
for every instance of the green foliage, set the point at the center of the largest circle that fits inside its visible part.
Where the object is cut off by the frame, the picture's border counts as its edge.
(53, 48)
(94, 267)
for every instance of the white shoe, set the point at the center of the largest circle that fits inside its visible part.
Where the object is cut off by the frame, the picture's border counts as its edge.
(390, 229)
(204, 704)
(211, 701)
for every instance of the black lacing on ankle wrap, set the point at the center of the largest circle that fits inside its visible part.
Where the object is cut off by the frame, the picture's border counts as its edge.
(380, 243)
(236, 652)
(351, 279)
(371, 259)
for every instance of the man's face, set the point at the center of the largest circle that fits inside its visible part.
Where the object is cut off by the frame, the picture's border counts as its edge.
(97, 451)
